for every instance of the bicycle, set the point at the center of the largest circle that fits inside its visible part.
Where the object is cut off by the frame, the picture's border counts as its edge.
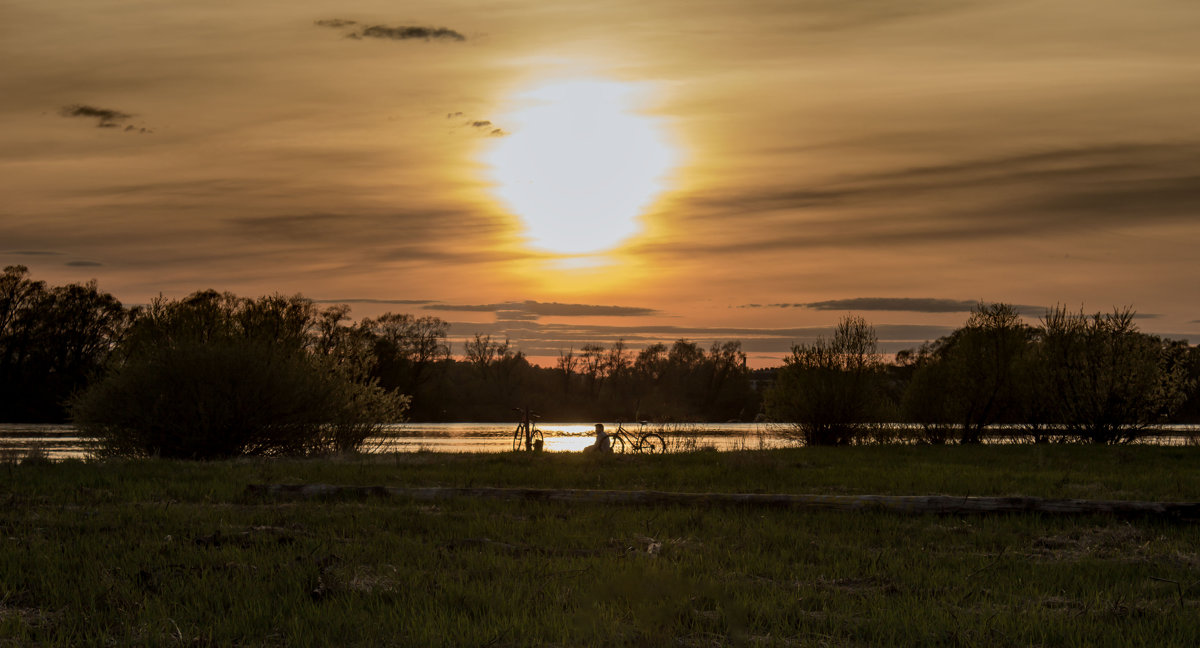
(527, 436)
(648, 442)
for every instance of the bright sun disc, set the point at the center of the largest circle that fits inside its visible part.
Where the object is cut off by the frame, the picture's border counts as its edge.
(579, 165)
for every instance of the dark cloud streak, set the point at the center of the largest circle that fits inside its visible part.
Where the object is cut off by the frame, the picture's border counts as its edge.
(405, 32)
(550, 309)
(1031, 194)
(482, 124)
(105, 117)
(911, 305)
(402, 32)
(362, 300)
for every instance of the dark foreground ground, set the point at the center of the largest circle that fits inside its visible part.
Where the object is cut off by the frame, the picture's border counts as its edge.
(167, 553)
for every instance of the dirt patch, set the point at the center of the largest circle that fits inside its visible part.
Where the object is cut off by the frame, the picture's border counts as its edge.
(1118, 541)
(1063, 604)
(28, 616)
(654, 547)
(371, 579)
(253, 536)
(859, 585)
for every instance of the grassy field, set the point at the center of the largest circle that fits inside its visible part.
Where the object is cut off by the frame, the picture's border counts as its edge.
(166, 553)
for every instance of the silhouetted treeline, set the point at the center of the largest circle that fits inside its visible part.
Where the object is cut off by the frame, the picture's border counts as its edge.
(680, 382)
(54, 342)
(1073, 376)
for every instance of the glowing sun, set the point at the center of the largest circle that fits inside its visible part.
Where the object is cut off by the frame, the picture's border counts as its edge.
(579, 165)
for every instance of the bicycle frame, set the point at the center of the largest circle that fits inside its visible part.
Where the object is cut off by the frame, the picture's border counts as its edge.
(649, 442)
(527, 437)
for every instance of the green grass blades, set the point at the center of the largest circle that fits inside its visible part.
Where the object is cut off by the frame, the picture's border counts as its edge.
(169, 553)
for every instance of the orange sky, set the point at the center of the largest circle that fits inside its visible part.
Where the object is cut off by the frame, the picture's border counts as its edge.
(897, 160)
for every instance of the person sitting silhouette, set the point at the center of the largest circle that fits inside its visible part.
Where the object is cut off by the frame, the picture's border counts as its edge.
(602, 444)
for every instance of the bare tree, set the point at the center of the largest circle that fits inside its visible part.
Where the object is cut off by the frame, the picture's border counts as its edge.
(567, 363)
(405, 347)
(479, 351)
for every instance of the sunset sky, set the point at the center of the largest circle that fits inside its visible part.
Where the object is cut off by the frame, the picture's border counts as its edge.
(581, 171)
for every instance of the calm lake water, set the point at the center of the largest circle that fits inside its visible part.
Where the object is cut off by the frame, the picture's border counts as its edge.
(63, 441)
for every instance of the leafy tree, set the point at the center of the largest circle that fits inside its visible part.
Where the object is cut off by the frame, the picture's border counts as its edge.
(492, 382)
(53, 342)
(1189, 411)
(830, 388)
(923, 401)
(406, 351)
(729, 393)
(18, 295)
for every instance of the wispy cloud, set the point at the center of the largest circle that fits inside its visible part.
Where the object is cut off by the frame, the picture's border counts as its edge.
(363, 300)
(489, 127)
(401, 32)
(484, 125)
(335, 23)
(901, 304)
(105, 117)
(32, 253)
(515, 316)
(84, 264)
(1032, 194)
(832, 15)
(911, 305)
(410, 32)
(552, 309)
(400, 235)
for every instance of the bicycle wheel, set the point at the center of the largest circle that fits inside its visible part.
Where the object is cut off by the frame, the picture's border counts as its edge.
(537, 439)
(652, 443)
(519, 439)
(617, 444)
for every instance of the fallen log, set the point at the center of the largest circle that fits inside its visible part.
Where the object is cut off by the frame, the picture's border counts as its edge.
(912, 504)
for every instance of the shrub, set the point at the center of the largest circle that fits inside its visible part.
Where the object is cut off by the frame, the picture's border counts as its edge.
(1110, 382)
(830, 389)
(971, 378)
(215, 376)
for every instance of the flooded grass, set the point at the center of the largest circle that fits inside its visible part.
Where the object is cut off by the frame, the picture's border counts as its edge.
(166, 553)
